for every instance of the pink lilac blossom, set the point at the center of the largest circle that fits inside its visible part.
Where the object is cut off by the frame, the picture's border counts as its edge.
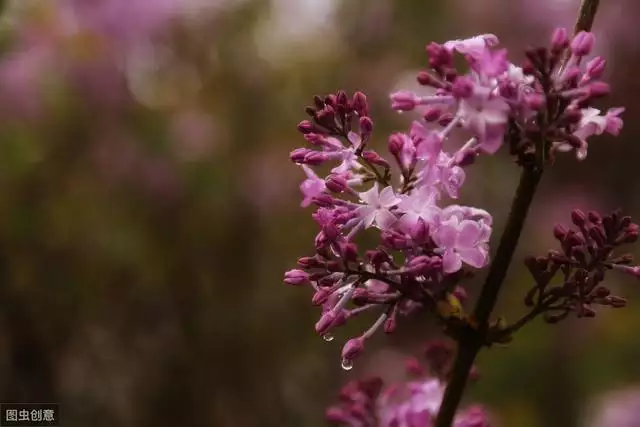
(427, 244)
(413, 402)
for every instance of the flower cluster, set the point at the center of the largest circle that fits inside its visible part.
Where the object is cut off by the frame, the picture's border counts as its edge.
(426, 243)
(587, 253)
(414, 403)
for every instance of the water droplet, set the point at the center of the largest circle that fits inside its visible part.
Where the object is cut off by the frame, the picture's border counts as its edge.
(327, 337)
(347, 364)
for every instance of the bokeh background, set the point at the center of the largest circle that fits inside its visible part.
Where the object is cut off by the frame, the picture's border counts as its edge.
(148, 209)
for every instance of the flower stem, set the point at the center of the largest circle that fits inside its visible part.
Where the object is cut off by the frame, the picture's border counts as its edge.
(472, 339)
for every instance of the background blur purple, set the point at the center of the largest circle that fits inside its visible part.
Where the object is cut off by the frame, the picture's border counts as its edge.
(148, 208)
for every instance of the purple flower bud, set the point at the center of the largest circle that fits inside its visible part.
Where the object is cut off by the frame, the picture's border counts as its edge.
(353, 348)
(396, 142)
(595, 67)
(439, 56)
(617, 302)
(306, 126)
(337, 415)
(595, 217)
(390, 325)
(321, 296)
(309, 262)
(336, 183)
(324, 201)
(404, 101)
(326, 322)
(296, 277)
(431, 114)
(348, 251)
(375, 158)
(360, 104)
(598, 89)
(315, 158)
(582, 43)
(559, 40)
(298, 155)
(366, 126)
(534, 101)
(559, 232)
(578, 217)
(426, 79)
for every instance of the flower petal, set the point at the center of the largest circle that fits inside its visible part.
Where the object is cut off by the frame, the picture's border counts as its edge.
(451, 262)
(469, 233)
(476, 257)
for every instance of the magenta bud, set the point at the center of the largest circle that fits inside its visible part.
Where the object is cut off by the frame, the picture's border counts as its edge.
(326, 322)
(617, 302)
(534, 101)
(465, 157)
(321, 296)
(426, 79)
(595, 67)
(336, 183)
(582, 43)
(404, 101)
(431, 114)
(309, 262)
(315, 158)
(359, 103)
(349, 251)
(375, 158)
(296, 277)
(578, 217)
(390, 325)
(353, 348)
(599, 89)
(396, 142)
(337, 415)
(298, 155)
(306, 126)
(559, 40)
(594, 217)
(559, 232)
(366, 125)
(323, 200)
(462, 87)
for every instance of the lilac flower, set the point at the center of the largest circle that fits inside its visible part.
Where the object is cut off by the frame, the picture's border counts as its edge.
(462, 241)
(311, 187)
(377, 204)
(474, 46)
(420, 204)
(483, 113)
(593, 123)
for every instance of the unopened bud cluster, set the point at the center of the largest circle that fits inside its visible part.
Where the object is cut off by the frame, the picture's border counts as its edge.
(588, 252)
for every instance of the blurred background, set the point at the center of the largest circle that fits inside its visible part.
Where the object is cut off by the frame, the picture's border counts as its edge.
(148, 209)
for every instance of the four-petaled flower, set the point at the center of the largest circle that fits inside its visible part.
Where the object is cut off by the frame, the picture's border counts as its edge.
(461, 241)
(376, 210)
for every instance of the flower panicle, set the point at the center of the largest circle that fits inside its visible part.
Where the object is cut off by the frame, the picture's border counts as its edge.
(428, 244)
